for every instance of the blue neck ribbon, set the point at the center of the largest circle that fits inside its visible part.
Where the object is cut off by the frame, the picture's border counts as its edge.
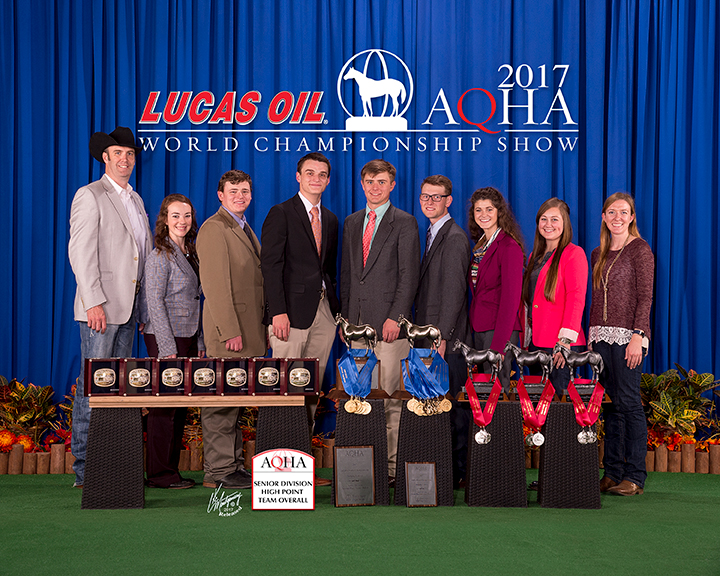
(421, 381)
(357, 383)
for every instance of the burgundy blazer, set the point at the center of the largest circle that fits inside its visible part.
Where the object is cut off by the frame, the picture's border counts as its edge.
(496, 296)
(548, 318)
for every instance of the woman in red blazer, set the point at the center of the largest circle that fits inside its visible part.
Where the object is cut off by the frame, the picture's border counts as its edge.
(554, 287)
(495, 274)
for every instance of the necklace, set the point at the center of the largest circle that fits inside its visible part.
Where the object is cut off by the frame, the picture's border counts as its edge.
(607, 276)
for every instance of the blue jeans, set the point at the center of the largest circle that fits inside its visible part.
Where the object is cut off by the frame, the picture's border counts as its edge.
(117, 342)
(625, 422)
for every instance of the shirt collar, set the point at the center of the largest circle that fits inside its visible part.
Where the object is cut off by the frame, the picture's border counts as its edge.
(123, 192)
(439, 224)
(239, 219)
(379, 211)
(307, 204)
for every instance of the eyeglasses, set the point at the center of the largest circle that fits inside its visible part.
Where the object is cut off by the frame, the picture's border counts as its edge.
(434, 197)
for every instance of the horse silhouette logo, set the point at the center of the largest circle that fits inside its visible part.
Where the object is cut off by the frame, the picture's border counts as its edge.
(382, 97)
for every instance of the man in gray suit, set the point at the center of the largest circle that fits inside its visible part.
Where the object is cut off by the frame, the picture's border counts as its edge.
(442, 299)
(379, 277)
(109, 241)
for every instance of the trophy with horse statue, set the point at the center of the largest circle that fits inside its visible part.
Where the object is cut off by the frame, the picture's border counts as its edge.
(425, 372)
(357, 364)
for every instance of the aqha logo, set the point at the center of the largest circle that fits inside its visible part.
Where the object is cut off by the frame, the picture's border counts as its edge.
(380, 84)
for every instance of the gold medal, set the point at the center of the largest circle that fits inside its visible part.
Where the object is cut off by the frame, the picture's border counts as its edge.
(411, 404)
(368, 407)
(445, 405)
(419, 410)
(351, 406)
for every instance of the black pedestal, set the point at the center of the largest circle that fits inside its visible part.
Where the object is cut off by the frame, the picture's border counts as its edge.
(425, 439)
(114, 470)
(282, 427)
(367, 430)
(496, 470)
(569, 471)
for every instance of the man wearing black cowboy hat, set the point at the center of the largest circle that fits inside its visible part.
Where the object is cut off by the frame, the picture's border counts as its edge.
(109, 240)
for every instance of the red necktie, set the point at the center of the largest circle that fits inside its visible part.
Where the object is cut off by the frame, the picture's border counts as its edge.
(367, 235)
(316, 228)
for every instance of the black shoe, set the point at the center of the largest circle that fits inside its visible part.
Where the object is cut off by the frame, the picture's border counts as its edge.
(533, 485)
(391, 481)
(182, 484)
(238, 479)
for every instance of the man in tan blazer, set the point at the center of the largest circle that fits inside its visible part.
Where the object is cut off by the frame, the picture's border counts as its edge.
(109, 241)
(232, 281)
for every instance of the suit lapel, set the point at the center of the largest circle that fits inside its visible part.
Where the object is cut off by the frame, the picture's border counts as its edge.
(182, 262)
(117, 203)
(304, 219)
(384, 230)
(240, 233)
(439, 238)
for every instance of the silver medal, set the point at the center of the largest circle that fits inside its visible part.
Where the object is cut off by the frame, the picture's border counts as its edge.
(582, 437)
(538, 439)
(482, 436)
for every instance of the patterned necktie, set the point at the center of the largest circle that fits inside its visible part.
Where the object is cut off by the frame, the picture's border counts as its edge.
(428, 240)
(367, 235)
(316, 228)
(246, 229)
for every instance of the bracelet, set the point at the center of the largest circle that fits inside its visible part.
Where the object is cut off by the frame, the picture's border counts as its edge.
(565, 340)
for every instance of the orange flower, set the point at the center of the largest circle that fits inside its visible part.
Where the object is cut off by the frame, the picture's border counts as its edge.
(7, 439)
(26, 441)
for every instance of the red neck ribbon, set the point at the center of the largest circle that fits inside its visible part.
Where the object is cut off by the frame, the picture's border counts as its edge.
(483, 418)
(535, 418)
(586, 416)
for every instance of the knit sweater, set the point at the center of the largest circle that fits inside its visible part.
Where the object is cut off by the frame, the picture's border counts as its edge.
(630, 288)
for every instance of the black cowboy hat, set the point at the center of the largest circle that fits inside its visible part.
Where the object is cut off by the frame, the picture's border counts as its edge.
(121, 136)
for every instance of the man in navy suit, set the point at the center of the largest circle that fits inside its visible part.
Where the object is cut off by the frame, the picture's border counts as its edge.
(379, 278)
(442, 299)
(299, 266)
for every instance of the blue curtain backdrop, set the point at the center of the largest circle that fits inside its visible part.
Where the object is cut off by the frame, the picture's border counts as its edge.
(640, 92)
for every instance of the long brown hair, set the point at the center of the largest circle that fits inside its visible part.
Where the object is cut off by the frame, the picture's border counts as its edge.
(162, 234)
(605, 236)
(539, 247)
(505, 218)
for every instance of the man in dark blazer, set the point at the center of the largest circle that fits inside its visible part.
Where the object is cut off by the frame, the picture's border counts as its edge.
(229, 254)
(299, 267)
(379, 278)
(442, 299)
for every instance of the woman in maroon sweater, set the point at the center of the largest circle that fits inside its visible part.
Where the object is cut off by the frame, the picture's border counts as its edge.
(622, 280)
(495, 274)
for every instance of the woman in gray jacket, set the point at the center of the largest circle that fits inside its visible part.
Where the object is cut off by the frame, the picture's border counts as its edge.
(172, 291)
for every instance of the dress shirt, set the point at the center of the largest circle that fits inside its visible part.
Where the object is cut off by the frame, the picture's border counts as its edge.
(135, 221)
(379, 213)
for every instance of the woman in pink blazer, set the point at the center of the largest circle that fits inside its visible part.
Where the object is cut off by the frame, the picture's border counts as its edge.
(495, 274)
(554, 286)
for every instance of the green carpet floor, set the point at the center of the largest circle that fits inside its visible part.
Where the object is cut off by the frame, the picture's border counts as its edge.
(674, 528)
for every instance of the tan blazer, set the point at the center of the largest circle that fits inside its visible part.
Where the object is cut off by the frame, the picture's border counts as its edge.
(233, 285)
(103, 252)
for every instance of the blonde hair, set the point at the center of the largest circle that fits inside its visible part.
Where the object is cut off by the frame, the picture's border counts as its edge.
(605, 236)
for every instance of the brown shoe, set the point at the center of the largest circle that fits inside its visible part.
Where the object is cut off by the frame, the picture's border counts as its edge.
(322, 481)
(626, 488)
(606, 483)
